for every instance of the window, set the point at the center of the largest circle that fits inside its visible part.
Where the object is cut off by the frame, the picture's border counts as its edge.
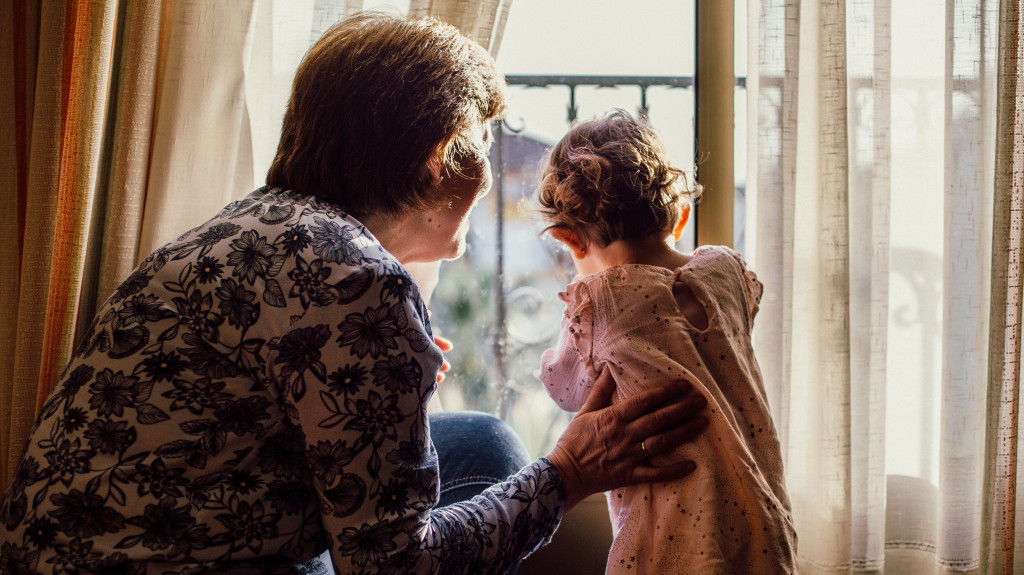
(499, 302)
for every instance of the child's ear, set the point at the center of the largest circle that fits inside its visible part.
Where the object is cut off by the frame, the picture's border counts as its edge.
(571, 240)
(684, 216)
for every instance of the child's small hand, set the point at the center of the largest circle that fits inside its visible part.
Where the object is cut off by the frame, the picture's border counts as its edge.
(446, 346)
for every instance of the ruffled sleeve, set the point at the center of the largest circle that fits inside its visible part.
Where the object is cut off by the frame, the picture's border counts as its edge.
(754, 286)
(568, 370)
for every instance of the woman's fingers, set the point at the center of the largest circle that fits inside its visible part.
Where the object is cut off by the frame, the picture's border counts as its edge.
(668, 440)
(669, 413)
(652, 474)
(668, 416)
(606, 447)
(601, 394)
(644, 403)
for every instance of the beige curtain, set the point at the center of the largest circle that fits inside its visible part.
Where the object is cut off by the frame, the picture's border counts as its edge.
(1003, 535)
(225, 75)
(201, 145)
(121, 189)
(885, 188)
(481, 20)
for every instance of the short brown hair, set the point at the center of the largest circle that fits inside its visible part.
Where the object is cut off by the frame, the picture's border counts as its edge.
(373, 101)
(610, 179)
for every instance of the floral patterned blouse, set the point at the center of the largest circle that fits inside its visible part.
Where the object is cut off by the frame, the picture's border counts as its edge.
(253, 394)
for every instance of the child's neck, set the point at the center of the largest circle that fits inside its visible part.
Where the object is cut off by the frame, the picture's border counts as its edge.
(652, 250)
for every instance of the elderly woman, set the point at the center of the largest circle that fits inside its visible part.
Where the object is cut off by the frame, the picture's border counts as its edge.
(255, 392)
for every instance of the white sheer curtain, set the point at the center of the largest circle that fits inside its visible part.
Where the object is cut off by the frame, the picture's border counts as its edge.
(223, 82)
(481, 20)
(873, 144)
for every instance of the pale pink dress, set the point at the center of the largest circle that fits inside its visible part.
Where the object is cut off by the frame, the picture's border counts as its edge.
(732, 515)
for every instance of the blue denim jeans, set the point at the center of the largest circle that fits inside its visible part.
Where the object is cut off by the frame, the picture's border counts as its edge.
(474, 451)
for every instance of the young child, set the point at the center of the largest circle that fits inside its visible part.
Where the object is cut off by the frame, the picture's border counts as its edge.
(652, 314)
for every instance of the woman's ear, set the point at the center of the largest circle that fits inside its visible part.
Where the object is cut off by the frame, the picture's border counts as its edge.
(684, 216)
(434, 167)
(571, 241)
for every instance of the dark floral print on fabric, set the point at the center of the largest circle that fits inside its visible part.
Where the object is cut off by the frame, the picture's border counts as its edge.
(253, 395)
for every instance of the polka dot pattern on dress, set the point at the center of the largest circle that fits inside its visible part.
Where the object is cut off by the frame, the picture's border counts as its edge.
(732, 514)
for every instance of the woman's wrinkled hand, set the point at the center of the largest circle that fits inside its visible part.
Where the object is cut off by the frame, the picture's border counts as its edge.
(601, 448)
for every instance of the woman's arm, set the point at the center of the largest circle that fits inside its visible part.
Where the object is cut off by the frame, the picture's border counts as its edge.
(374, 466)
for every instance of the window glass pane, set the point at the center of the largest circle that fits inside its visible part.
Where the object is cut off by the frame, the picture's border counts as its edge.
(607, 37)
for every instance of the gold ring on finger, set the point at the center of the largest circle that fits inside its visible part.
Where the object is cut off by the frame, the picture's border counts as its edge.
(643, 447)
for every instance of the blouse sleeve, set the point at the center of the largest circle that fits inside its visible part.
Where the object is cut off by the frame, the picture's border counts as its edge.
(754, 287)
(375, 470)
(567, 371)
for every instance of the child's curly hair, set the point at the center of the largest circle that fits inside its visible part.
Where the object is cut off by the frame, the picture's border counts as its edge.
(610, 179)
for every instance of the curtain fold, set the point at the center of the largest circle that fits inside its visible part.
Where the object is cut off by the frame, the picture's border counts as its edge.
(13, 25)
(86, 89)
(125, 155)
(38, 153)
(966, 263)
(772, 84)
(818, 465)
(201, 149)
(59, 93)
(869, 72)
(482, 20)
(1002, 553)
